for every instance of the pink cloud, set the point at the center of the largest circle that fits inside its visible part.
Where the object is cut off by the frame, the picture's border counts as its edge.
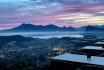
(85, 8)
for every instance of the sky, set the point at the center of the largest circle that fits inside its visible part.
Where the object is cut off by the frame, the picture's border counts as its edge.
(74, 13)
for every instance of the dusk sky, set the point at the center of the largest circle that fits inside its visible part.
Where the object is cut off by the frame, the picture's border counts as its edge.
(58, 12)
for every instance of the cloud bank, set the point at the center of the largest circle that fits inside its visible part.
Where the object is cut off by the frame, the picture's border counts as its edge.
(58, 12)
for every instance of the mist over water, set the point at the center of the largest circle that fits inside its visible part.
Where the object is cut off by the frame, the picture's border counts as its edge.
(56, 34)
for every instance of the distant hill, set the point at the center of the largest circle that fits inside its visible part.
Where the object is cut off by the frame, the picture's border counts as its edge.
(92, 28)
(15, 38)
(31, 27)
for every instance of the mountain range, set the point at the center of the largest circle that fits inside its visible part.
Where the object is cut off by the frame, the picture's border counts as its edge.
(30, 27)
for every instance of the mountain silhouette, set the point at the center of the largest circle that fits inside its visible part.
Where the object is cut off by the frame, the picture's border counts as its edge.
(92, 28)
(31, 27)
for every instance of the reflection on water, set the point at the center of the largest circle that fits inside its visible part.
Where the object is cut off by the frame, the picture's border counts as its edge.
(46, 35)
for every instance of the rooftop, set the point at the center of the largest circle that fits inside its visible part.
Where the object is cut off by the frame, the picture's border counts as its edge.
(93, 48)
(67, 57)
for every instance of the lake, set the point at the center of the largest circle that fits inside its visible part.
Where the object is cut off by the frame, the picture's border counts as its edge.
(55, 34)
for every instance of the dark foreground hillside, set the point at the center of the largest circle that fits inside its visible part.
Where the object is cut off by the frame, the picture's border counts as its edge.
(25, 53)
